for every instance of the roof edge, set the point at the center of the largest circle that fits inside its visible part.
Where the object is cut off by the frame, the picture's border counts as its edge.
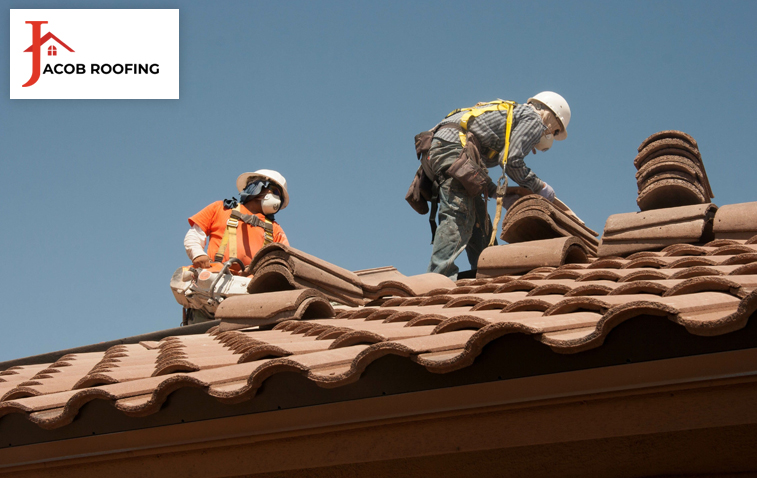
(50, 357)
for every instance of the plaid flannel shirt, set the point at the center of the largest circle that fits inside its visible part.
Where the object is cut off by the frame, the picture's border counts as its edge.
(489, 128)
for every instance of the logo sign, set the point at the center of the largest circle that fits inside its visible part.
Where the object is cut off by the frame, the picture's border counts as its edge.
(94, 54)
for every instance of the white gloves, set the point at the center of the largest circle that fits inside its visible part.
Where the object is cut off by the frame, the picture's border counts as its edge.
(547, 192)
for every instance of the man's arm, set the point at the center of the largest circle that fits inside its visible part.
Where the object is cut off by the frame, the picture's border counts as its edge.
(201, 224)
(194, 244)
(523, 138)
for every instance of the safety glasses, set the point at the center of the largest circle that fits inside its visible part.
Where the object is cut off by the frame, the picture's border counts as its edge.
(274, 189)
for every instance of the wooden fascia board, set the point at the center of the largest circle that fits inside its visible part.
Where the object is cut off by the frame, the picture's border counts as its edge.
(649, 389)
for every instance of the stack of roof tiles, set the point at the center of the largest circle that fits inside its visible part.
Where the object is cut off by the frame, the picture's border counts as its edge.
(569, 302)
(674, 198)
(670, 172)
(533, 218)
(278, 267)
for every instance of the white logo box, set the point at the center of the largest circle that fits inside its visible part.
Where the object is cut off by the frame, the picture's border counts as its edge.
(103, 41)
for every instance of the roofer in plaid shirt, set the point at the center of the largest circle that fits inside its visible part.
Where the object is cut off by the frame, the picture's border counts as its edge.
(463, 220)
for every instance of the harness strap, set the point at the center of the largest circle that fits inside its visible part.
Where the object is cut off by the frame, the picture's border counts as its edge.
(478, 110)
(230, 235)
(255, 221)
(502, 181)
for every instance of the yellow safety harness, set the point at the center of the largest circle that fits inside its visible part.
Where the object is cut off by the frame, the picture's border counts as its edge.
(230, 235)
(479, 109)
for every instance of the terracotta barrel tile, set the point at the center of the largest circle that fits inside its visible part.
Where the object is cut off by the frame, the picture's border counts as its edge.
(564, 341)
(371, 278)
(618, 223)
(62, 376)
(21, 372)
(534, 218)
(669, 193)
(526, 256)
(663, 144)
(736, 221)
(662, 164)
(290, 252)
(669, 134)
(272, 307)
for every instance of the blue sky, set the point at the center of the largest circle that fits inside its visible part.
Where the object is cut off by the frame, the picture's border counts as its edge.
(95, 194)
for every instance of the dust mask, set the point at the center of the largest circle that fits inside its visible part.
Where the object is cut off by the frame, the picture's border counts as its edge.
(270, 203)
(545, 142)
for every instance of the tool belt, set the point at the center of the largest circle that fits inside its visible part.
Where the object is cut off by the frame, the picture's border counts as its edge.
(468, 168)
(422, 189)
(230, 235)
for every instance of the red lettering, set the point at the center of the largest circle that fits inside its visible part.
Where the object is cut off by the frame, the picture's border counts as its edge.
(36, 40)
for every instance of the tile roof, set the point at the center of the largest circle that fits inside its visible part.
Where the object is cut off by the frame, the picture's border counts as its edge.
(670, 172)
(566, 301)
(279, 267)
(736, 221)
(523, 257)
(653, 230)
(694, 266)
(269, 308)
(533, 218)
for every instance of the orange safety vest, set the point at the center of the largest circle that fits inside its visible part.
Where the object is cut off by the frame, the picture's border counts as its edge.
(229, 235)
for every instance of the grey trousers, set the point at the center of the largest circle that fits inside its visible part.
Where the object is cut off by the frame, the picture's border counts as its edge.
(463, 220)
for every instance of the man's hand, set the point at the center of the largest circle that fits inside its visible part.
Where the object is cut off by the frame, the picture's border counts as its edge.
(202, 262)
(547, 192)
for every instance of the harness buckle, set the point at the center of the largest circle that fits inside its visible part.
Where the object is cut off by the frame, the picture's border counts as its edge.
(232, 222)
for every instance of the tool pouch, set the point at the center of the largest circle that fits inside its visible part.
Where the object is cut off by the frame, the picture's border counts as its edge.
(420, 192)
(423, 143)
(421, 189)
(470, 170)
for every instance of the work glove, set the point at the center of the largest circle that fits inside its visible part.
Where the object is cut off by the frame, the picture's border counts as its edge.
(201, 262)
(547, 192)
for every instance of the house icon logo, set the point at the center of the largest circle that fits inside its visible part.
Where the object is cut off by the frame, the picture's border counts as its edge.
(79, 53)
(36, 49)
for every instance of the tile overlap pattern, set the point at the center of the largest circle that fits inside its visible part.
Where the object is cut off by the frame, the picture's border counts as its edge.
(708, 289)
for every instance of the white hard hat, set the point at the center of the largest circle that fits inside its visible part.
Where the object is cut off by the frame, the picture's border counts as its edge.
(558, 106)
(267, 174)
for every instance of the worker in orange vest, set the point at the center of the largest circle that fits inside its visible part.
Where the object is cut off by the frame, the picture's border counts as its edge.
(239, 228)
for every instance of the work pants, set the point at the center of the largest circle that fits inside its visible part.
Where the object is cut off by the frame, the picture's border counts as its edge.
(463, 221)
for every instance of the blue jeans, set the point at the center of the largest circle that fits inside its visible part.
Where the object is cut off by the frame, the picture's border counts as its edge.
(463, 220)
